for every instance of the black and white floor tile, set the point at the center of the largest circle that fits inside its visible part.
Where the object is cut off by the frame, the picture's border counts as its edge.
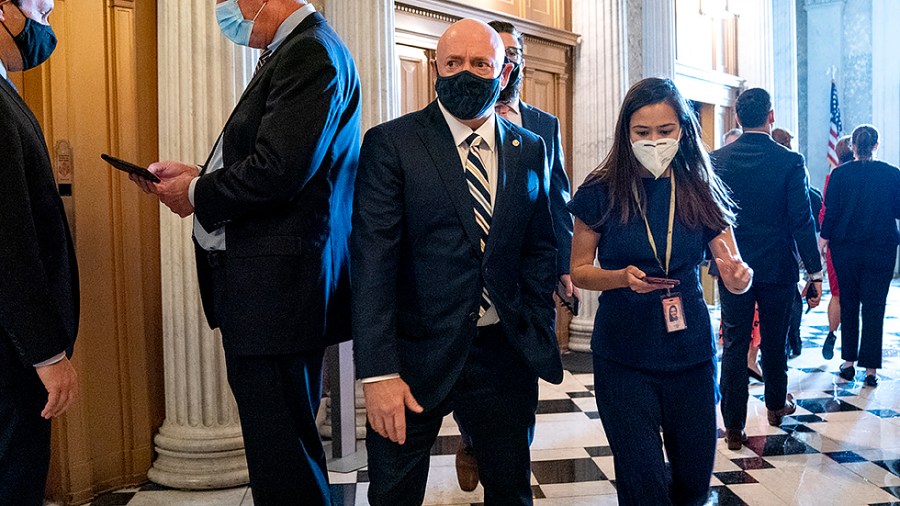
(841, 447)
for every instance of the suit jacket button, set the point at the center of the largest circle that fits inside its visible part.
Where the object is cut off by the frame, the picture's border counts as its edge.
(473, 316)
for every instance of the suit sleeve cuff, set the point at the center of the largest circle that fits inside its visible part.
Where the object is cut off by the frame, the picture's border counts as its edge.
(191, 190)
(51, 361)
(815, 276)
(376, 379)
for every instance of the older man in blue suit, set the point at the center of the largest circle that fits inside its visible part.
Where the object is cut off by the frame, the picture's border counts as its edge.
(454, 261)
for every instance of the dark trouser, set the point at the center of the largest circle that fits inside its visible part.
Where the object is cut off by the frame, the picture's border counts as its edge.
(634, 406)
(278, 397)
(774, 302)
(24, 435)
(794, 342)
(865, 275)
(495, 398)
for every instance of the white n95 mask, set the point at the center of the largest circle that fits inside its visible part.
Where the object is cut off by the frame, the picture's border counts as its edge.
(655, 156)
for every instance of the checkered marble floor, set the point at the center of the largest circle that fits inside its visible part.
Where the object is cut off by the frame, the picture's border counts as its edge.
(841, 447)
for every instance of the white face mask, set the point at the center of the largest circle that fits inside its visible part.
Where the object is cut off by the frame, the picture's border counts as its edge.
(655, 156)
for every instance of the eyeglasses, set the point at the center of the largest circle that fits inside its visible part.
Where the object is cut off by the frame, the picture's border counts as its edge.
(514, 53)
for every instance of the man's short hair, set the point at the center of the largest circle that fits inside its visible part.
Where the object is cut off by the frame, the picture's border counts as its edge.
(753, 107)
(504, 27)
(734, 132)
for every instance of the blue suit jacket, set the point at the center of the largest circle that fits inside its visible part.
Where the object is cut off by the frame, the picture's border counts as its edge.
(39, 297)
(417, 266)
(768, 182)
(284, 196)
(546, 126)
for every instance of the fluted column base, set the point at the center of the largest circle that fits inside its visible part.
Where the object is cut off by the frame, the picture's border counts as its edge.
(325, 429)
(580, 336)
(198, 459)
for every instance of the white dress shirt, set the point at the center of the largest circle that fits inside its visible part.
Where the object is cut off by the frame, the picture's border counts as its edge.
(215, 240)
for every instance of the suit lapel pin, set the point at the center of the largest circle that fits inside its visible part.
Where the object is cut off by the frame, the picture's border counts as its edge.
(516, 142)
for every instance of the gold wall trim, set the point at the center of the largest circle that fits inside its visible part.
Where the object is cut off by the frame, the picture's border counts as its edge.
(450, 11)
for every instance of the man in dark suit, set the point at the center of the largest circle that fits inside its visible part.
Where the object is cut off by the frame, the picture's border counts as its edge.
(453, 273)
(546, 126)
(774, 224)
(39, 280)
(279, 186)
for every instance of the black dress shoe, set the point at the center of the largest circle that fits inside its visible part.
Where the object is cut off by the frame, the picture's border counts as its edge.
(848, 373)
(776, 415)
(871, 380)
(828, 347)
(755, 375)
(466, 468)
(735, 438)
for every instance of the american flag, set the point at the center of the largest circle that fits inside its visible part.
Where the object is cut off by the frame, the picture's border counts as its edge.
(836, 127)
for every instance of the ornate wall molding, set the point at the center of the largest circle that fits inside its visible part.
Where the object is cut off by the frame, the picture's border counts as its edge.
(450, 11)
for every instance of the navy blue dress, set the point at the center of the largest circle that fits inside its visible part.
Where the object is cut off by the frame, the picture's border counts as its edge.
(629, 327)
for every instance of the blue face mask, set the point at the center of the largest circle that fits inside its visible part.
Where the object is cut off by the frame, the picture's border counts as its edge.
(233, 24)
(36, 42)
(466, 95)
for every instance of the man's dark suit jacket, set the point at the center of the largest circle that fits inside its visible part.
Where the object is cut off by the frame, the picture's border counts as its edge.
(547, 127)
(418, 270)
(768, 182)
(39, 281)
(284, 196)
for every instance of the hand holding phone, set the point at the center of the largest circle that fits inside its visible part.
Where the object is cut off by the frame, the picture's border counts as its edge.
(665, 282)
(570, 302)
(130, 168)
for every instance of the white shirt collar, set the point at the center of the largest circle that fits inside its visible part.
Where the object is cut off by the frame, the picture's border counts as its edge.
(3, 73)
(288, 25)
(460, 132)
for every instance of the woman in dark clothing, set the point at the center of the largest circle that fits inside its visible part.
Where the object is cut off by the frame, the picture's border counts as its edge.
(860, 231)
(653, 372)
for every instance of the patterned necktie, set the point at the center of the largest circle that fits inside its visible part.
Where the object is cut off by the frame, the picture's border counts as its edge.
(477, 179)
(263, 58)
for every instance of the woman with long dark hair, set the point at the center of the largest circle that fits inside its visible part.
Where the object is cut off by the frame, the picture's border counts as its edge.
(647, 215)
(860, 231)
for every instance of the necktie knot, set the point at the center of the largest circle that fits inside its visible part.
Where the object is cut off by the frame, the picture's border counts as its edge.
(473, 141)
(263, 58)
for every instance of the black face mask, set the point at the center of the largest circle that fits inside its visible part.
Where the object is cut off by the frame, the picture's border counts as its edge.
(512, 88)
(36, 42)
(466, 95)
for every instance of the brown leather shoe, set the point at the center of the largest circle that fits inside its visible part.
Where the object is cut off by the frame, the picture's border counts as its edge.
(466, 468)
(735, 438)
(775, 416)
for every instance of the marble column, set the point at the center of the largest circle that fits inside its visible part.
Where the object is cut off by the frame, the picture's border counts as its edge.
(824, 26)
(201, 76)
(601, 79)
(368, 30)
(658, 31)
(784, 63)
(886, 79)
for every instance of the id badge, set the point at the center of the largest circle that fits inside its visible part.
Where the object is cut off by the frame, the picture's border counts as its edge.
(673, 313)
